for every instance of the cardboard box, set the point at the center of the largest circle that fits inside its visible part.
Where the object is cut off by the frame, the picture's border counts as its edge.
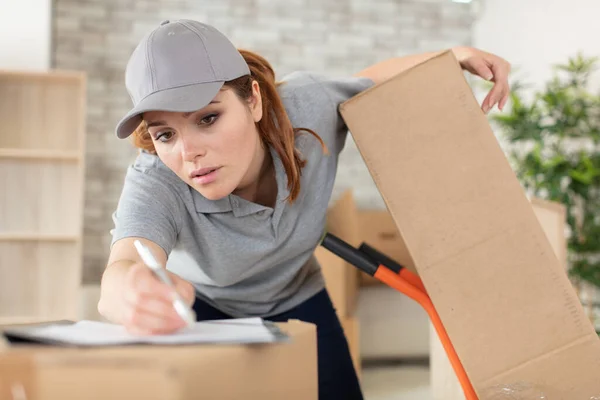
(378, 229)
(553, 220)
(503, 296)
(271, 371)
(393, 326)
(352, 330)
(444, 383)
(341, 278)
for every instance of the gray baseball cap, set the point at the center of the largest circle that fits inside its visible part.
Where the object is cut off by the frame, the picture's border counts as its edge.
(179, 66)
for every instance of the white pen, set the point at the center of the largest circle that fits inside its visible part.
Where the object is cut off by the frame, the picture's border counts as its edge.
(179, 304)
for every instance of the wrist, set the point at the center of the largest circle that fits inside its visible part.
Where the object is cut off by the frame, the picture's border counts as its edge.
(111, 288)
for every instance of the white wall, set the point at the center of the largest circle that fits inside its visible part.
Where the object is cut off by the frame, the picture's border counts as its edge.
(533, 34)
(25, 34)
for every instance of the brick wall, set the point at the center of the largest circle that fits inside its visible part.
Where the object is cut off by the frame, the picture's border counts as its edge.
(329, 36)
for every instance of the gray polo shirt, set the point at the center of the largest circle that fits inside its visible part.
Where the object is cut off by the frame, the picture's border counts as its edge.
(246, 259)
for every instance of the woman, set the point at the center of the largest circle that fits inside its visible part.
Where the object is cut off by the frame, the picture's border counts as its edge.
(231, 189)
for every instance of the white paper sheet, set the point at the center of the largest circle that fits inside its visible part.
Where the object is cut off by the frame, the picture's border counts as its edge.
(92, 333)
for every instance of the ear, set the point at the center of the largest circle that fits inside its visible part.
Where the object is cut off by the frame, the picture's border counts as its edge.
(256, 102)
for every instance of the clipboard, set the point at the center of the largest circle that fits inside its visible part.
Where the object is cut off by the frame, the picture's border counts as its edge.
(100, 334)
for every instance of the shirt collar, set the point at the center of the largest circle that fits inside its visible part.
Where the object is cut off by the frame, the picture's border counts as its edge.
(239, 206)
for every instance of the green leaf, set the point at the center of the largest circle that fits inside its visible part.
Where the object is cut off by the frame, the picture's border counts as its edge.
(553, 142)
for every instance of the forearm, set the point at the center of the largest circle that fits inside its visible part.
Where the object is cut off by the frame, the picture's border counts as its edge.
(112, 287)
(384, 70)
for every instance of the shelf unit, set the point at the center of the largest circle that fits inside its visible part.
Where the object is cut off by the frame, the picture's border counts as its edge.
(39, 155)
(42, 167)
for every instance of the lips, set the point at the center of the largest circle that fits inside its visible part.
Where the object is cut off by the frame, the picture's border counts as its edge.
(202, 172)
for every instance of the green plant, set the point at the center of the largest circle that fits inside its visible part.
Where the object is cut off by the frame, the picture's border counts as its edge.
(553, 142)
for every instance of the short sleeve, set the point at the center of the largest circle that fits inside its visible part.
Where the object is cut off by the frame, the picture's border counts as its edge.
(339, 90)
(149, 208)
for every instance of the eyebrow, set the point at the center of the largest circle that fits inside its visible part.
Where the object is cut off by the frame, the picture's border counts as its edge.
(185, 115)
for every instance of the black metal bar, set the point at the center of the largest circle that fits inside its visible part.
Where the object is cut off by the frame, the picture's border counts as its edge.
(380, 258)
(349, 254)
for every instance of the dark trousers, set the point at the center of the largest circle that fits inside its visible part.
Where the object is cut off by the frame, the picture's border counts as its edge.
(337, 376)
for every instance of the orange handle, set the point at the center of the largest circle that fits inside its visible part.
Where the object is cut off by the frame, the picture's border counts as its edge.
(396, 281)
(413, 279)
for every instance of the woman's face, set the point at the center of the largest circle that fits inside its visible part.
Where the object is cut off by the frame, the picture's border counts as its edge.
(217, 149)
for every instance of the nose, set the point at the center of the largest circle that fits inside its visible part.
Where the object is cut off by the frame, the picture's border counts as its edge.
(191, 147)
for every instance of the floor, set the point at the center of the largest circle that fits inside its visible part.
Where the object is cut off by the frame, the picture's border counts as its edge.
(396, 383)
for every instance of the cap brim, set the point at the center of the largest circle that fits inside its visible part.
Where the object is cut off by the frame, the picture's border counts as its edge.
(181, 99)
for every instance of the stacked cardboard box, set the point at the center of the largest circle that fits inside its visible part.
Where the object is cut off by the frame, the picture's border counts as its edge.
(267, 371)
(341, 278)
(344, 281)
(379, 231)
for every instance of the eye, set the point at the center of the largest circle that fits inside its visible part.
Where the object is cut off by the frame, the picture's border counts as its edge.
(164, 136)
(208, 120)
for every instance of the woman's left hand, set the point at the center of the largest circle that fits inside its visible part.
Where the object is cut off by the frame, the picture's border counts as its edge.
(489, 67)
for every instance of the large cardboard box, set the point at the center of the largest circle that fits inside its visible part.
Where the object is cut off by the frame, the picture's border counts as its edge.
(553, 220)
(269, 371)
(341, 278)
(378, 229)
(379, 336)
(503, 296)
(444, 383)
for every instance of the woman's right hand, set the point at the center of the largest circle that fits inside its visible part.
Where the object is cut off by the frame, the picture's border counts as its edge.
(131, 295)
(147, 302)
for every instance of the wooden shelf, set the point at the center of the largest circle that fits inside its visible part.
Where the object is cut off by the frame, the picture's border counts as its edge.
(44, 75)
(40, 155)
(36, 237)
(42, 185)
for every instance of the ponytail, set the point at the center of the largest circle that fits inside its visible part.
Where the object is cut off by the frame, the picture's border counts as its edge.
(275, 127)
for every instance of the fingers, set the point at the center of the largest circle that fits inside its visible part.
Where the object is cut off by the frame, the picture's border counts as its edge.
(148, 303)
(500, 92)
(503, 101)
(492, 68)
(479, 67)
(185, 289)
(498, 95)
(144, 303)
(490, 100)
(145, 319)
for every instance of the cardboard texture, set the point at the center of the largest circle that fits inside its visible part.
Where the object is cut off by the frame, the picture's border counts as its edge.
(503, 296)
(274, 371)
(553, 219)
(444, 383)
(17, 377)
(351, 330)
(341, 278)
(378, 229)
